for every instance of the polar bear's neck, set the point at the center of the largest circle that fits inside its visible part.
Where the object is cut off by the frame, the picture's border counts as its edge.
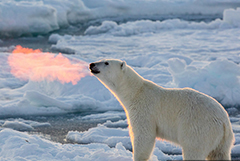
(129, 86)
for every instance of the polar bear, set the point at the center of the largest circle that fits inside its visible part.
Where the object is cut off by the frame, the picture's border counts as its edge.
(193, 120)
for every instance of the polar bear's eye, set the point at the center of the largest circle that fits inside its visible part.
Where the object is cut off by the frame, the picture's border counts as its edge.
(106, 63)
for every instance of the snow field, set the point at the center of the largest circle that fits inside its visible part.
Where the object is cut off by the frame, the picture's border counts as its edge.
(203, 59)
(29, 17)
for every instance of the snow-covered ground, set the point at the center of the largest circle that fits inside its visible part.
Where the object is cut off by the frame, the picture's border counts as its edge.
(152, 37)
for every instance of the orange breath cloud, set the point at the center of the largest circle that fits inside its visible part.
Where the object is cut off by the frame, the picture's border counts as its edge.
(36, 65)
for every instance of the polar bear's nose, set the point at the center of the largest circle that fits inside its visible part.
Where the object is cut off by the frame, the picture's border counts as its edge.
(91, 65)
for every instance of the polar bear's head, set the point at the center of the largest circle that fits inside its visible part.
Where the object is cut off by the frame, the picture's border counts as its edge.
(109, 71)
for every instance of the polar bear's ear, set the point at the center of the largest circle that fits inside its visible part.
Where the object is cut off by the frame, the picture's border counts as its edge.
(123, 65)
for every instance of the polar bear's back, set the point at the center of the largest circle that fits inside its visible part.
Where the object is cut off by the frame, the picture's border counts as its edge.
(180, 109)
(182, 99)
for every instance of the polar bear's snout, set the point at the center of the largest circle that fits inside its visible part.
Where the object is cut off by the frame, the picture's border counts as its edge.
(94, 68)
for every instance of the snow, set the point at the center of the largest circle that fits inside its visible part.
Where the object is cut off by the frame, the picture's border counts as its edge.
(26, 18)
(21, 146)
(203, 59)
(38, 99)
(112, 136)
(220, 79)
(156, 38)
(17, 126)
(232, 16)
(29, 17)
(22, 125)
(109, 115)
(231, 19)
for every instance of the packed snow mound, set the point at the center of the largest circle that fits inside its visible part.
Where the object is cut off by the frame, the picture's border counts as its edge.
(219, 79)
(27, 17)
(38, 99)
(106, 134)
(231, 19)
(101, 134)
(24, 18)
(22, 125)
(21, 146)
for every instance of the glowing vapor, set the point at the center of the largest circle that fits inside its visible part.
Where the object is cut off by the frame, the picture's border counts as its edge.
(36, 65)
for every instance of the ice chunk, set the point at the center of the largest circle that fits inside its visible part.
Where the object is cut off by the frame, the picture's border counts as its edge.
(111, 136)
(54, 38)
(16, 125)
(101, 134)
(176, 65)
(231, 19)
(219, 79)
(120, 123)
(232, 16)
(110, 115)
(236, 150)
(105, 27)
(39, 99)
(24, 18)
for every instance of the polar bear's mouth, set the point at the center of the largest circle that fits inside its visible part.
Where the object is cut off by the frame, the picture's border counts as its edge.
(95, 71)
(93, 68)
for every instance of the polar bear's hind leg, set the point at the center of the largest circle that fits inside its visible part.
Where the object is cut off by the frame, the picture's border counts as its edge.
(223, 150)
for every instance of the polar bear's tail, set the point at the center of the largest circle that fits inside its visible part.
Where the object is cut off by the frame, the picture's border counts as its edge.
(223, 150)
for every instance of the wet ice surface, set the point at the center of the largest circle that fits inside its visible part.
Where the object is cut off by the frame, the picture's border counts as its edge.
(61, 125)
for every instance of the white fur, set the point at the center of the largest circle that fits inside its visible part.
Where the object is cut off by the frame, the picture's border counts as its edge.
(191, 119)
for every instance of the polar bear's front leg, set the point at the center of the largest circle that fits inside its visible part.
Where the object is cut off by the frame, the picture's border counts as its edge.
(143, 143)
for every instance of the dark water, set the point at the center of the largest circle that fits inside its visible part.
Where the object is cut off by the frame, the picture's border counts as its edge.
(61, 125)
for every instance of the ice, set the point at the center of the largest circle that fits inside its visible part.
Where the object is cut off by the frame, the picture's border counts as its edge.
(54, 38)
(236, 149)
(21, 146)
(106, 134)
(18, 18)
(27, 17)
(197, 56)
(232, 16)
(109, 115)
(101, 134)
(219, 79)
(120, 123)
(237, 139)
(20, 126)
(38, 99)
(231, 19)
